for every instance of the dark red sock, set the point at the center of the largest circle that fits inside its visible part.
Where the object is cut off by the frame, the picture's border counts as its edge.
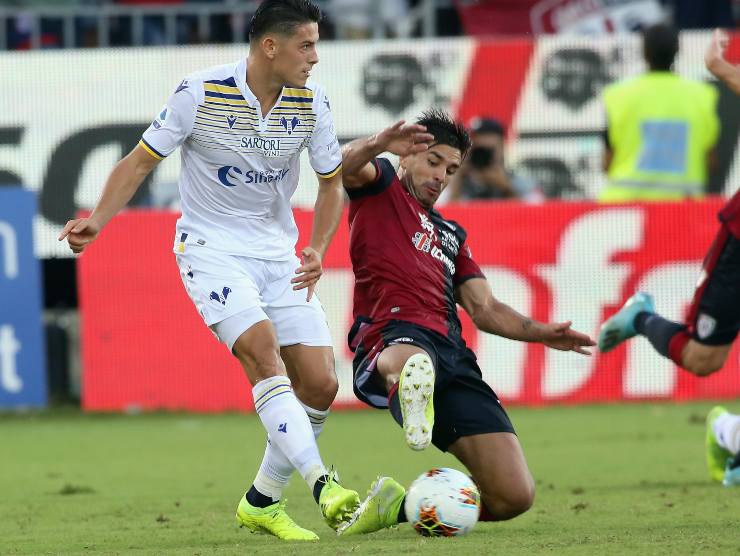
(394, 404)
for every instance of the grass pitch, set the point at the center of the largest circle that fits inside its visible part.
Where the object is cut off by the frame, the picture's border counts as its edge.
(613, 479)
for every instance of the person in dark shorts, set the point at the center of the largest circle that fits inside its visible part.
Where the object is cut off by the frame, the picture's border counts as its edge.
(702, 343)
(412, 267)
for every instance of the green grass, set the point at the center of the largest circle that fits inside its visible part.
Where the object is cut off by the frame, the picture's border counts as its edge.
(614, 479)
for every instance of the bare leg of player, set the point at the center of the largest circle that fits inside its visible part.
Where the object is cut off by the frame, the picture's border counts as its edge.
(703, 360)
(311, 371)
(497, 464)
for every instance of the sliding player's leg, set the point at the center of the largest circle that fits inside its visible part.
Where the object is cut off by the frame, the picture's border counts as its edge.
(470, 423)
(702, 344)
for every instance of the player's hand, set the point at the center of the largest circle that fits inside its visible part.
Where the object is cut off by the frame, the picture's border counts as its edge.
(80, 232)
(403, 139)
(309, 272)
(715, 53)
(561, 336)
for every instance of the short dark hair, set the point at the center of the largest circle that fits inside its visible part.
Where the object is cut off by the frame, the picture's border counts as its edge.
(445, 129)
(660, 46)
(282, 16)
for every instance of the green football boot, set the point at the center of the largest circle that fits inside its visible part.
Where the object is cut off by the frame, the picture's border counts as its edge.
(378, 511)
(336, 502)
(717, 456)
(416, 396)
(273, 520)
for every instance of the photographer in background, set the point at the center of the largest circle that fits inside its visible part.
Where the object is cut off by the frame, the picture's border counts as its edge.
(483, 174)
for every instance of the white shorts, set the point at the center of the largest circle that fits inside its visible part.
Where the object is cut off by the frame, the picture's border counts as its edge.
(232, 293)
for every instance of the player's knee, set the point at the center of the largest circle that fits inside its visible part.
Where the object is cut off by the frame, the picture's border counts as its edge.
(703, 368)
(324, 391)
(509, 506)
(260, 363)
(508, 503)
(704, 362)
(319, 391)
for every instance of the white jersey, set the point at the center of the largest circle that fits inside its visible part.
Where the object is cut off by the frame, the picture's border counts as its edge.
(239, 170)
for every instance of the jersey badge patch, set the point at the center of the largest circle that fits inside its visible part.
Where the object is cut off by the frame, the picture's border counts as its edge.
(705, 325)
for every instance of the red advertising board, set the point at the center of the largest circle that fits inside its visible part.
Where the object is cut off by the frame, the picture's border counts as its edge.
(145, 346)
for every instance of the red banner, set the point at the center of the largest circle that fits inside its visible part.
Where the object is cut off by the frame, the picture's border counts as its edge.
(145, 346)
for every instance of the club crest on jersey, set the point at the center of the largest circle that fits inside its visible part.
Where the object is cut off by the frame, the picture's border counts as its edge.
(422, 242)
(231, 120)
(289, 124)
(220, 297)
(705, 325)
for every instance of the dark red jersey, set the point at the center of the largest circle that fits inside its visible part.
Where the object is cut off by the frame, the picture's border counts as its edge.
(407, 260)
(730, 215)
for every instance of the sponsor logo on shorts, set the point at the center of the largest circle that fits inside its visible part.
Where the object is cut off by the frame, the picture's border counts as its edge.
(283, 427)
(705, 325)
(403, 340)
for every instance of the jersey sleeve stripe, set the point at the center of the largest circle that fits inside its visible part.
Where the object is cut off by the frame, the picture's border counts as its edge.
(151, 150)
(331, 173)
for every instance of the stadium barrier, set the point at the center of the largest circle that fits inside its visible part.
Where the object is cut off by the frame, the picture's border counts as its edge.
(546, 91)
(22, 361)
(145, 346)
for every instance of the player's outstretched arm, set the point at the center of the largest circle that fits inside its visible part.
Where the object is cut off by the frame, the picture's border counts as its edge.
(121, 185)
(492, 316)
(327, 213)
(400, 139)
(716, 63)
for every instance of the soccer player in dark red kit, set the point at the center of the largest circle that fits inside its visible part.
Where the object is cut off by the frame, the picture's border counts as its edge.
(702, 343)
(412, 267)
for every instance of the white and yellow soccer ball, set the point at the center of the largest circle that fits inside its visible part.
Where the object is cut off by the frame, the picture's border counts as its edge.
(443, 502)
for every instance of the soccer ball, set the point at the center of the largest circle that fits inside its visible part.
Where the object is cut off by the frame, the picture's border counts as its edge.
(442, 502)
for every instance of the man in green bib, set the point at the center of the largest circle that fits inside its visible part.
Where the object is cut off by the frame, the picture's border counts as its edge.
(661, 129)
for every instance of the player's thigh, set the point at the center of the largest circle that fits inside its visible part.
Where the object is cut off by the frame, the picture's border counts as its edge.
(311, 371)
(257, 350)
(497, 464)
(221, 286)
(471, 423)
(296, 320)
(226, 294)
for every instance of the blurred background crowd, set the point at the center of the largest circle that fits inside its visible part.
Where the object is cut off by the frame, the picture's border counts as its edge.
(27, 24)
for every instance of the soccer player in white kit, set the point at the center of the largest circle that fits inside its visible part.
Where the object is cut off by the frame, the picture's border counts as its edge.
(241, 128)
